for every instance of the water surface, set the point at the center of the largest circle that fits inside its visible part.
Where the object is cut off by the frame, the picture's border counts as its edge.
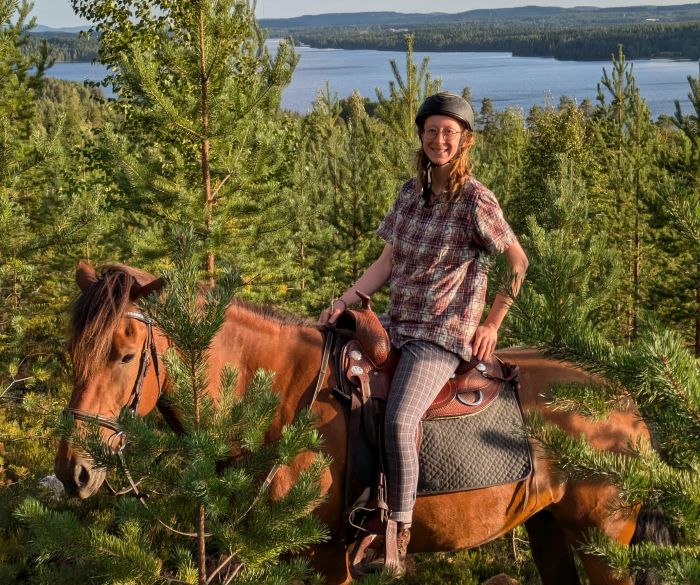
(508, 81)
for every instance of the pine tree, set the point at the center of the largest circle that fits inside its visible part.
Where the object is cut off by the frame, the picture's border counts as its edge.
(558, 150)
(500, 153)
(40, 222)
(398, 110)
(200, 138)
(44, 221)
(486, 114)
(570, 264)
(202, 515)
(23, 147)
(677, 295)
(353, 188)
(663, 379)
(626, 139)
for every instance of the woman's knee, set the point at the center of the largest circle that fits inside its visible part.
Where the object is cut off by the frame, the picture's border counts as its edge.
(401, 429)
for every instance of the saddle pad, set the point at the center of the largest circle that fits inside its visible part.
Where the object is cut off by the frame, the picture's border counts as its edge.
(481, 450)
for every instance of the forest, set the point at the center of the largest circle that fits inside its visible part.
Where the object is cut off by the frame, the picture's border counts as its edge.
(641, 41)
(196, 172)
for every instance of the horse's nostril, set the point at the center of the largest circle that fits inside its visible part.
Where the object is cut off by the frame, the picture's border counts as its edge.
(82, 475)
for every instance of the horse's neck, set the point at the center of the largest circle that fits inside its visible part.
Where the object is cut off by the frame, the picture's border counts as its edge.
(250, 341)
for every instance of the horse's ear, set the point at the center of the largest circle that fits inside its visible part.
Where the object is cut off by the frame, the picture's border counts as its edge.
(85, 275)
(143, 291)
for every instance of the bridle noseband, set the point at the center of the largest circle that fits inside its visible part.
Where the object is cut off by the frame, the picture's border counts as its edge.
(148, 354)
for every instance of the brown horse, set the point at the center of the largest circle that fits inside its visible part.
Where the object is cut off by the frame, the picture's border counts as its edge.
(110, 335)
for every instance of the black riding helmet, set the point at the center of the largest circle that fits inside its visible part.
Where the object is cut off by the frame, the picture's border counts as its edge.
(446, 104)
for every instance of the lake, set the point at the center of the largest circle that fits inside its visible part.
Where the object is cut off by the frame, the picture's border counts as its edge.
(508, 81)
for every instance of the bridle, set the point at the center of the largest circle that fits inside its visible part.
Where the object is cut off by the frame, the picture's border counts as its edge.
(148, 354)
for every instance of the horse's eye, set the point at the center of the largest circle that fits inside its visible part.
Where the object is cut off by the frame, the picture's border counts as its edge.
(127, 358)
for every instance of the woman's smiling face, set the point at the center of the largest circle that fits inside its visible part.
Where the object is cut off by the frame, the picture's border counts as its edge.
(441, 135)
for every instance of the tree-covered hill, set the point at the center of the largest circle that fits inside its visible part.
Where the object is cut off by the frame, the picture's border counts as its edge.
(581, 33)
(66, 46)
(525, 15)
(640, 41)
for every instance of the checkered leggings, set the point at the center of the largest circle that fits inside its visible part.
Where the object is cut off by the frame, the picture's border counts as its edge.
(422, 371)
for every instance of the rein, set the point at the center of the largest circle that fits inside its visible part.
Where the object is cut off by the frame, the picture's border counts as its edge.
(148, 354)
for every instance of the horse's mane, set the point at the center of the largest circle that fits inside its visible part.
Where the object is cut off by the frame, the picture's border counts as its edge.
(96, 313)
(98, 310)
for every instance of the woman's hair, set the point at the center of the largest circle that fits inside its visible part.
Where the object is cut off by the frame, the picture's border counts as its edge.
(461, 166)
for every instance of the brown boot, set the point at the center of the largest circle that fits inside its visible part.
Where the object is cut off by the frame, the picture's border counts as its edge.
(402, 539)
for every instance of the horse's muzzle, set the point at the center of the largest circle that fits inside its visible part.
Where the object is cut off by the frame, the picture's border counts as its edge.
(75, 471)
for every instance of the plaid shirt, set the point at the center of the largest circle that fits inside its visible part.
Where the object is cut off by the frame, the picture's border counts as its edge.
(440, 263)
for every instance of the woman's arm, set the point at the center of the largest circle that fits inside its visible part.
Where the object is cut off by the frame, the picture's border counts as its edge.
(370, 282)
(486, 335)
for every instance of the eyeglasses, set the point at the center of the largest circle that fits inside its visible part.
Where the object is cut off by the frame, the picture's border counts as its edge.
(447, 133)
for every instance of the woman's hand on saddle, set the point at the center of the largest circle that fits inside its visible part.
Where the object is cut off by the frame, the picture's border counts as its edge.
(484, 341)
(330, 316)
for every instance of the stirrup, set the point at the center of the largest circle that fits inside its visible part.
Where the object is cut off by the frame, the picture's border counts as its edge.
(375, 553)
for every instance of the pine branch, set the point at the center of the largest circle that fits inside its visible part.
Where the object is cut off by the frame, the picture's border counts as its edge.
(676, 565)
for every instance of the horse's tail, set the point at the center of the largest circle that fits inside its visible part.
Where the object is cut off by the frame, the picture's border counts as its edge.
(651, 527)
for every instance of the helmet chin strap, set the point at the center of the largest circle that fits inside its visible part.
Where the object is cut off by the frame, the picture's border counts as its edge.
(428, 180)
(427, 184)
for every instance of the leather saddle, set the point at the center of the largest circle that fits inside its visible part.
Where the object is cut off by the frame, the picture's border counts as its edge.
(368, 362)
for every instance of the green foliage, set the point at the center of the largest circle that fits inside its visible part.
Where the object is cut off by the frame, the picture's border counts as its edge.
(500, 155)
(42, 221)
(509, 555)
(627, 138)
(676, 566)
(677, 221)
(441, 570)
(351, 191)
(570, 266)
(558, 151)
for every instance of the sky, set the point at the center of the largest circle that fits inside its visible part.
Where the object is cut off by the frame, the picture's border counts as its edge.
(58, 13)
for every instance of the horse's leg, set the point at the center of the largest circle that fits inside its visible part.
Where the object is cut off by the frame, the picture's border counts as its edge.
(599, 573)
(551, 552)
(590, 505)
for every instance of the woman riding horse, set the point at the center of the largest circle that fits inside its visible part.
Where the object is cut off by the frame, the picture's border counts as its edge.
(439, 235)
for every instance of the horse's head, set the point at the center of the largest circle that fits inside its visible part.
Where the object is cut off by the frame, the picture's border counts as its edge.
(114, 358)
